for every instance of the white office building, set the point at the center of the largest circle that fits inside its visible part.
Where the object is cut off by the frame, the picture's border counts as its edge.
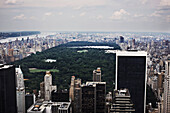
(48, 85)
(20, 91)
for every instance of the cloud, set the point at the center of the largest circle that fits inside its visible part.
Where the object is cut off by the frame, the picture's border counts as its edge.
(144, 1)
(13, 2)
(156, 14)
(99, 17)
(117, 15)
(10, 2)
(75, 4)
(48, 14)
(23, 17)
(77, 7)
(83, 13)
(168, 18)
(165, 2)
(138, 15)
(32, 18)
(60, 13)
(72, 16)
(20, 17)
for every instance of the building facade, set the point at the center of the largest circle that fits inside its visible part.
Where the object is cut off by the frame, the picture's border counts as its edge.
(20, 91)
(94, 97)
(48, 85)
(122, 102)
(97, 75)
(89, 98)
(131, 74)
(166, 96)
(77, 96)
(8, 103)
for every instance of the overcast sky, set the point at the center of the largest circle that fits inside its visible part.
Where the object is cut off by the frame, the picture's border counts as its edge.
(85, 15)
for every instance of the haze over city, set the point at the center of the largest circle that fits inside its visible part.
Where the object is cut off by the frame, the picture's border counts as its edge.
(85, 15)
(84, 56)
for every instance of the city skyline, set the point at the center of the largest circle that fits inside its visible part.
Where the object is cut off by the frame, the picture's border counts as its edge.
(76, 15)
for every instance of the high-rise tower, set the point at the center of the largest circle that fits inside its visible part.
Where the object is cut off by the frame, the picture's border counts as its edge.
(20, 91)
(8, 103)
(121, 39)
(166, 96)
(94, 97)
(97, 75)
(131, 74)
(48, 85)
(75, 94)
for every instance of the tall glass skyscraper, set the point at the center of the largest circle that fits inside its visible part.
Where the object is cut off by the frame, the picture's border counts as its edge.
(131, 74)
(8, 103)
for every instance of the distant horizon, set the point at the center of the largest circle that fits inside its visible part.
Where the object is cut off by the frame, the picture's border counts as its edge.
(90, 31)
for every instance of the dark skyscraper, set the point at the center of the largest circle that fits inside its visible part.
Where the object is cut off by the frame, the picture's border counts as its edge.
(77, 96)
(131, 74)
(121, 39)
(8, 102)
(100, 97)
(94, 97)
(89, 98)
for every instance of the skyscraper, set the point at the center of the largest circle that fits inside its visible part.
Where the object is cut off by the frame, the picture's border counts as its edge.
(48, 85)
(42, 90)
(20, 91)
(131, 74)
(166, 96)
(169, 47)
(8, 103)
(121, 39)
(89, 98)
(100, 96)
(29, 100)
(71, 91)
(94, 97)
(77, 96)
(97, 75)
(160, 83)
(133, 43)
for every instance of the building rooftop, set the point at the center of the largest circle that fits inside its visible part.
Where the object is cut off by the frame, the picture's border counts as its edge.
(4, 66)
(41, 106)
(127, 53)
(122, 92)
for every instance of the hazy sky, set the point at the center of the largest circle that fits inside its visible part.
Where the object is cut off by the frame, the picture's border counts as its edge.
(85, 15)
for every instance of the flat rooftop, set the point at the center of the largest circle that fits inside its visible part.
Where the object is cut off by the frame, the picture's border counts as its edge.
(127, 53)
(41, 106)
(5, 66)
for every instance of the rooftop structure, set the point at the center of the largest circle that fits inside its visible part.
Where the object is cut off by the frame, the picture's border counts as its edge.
(122, 102)
(50, 107)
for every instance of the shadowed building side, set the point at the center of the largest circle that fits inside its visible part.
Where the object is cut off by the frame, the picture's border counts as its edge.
(8, 103)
